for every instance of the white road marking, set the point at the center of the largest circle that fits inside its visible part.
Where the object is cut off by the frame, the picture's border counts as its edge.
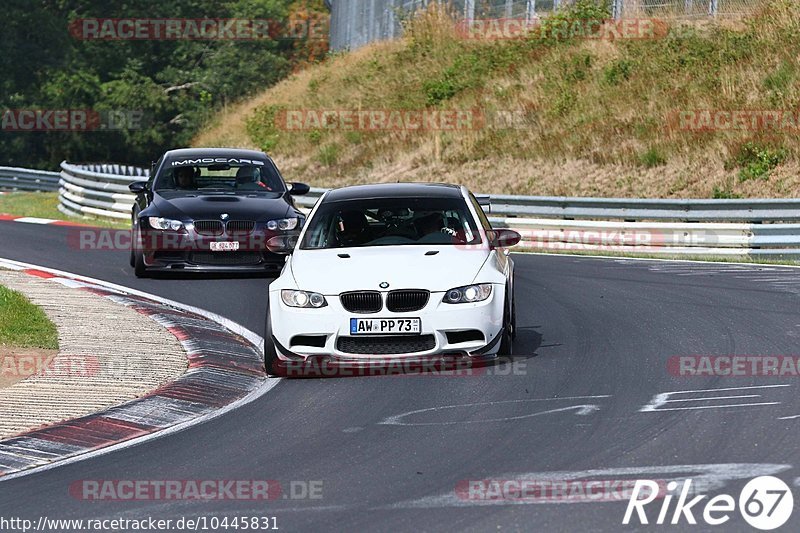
(789, 418)
(771, 280)
(754, 404)
(715, 398)
(253, 337)
(71, 283)
(35, 220)
(666, 397)
(582, 410)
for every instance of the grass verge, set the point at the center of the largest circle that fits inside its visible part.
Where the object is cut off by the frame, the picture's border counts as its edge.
(24, 325)
(45, 205)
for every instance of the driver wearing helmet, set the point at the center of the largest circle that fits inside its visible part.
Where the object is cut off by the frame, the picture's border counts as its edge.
(352, 228)
(184, 178)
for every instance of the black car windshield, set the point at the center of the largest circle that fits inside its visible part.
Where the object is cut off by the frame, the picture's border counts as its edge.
(391, 222)
(238, 177)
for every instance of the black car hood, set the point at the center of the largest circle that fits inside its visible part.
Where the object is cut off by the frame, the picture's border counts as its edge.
(200, 206)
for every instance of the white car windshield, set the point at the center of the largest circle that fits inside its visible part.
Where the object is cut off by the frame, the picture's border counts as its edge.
(391, 222)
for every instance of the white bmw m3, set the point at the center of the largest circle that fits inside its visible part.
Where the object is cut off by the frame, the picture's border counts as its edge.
(392, 271)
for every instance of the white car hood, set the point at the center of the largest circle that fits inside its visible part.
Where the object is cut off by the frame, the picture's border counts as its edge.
(402, 267)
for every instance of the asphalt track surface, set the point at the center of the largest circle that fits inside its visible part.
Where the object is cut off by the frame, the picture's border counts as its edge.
(594, 339)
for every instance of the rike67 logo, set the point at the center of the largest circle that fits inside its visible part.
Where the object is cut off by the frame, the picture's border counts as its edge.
(765, 503)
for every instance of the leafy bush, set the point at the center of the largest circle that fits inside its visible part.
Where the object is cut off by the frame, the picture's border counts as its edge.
(262, 127)
(757, 161)
(616, 72)
(723, 194)
(652, 158)
(328, 155)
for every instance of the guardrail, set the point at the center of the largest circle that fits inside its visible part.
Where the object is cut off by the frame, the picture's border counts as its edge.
(718, 228)
(98, 190)
(721, 228)
(25, 179)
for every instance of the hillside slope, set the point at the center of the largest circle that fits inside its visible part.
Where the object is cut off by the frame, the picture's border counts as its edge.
(690, 110)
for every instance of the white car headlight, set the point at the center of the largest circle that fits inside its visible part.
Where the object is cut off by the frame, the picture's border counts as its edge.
(468, 294)
(165, 224)
(283, 224)
(294, 298)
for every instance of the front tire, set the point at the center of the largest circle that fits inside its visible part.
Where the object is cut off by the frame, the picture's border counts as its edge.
(134, 242)
(270, 353)
(138, 265)
(513, 316)
(506, 341)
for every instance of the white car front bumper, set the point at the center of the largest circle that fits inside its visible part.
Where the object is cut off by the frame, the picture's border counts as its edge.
(308, 332)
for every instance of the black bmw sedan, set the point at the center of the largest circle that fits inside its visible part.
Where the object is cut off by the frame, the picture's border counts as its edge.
(212, 209)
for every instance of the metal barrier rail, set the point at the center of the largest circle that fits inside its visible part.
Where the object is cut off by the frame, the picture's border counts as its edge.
(715, 228)
(98, 190)
(25, 179)
(632, 209)
(721, 228)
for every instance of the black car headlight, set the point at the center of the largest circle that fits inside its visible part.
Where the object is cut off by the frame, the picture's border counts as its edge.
(294, 298)
(283, 224)
(165, 224)
(468, 294)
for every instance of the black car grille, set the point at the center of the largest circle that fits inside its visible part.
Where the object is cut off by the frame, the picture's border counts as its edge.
(208, 227)
(241, 227)
(386, 345)
(403, 301)
(361, 301)
(225, 258)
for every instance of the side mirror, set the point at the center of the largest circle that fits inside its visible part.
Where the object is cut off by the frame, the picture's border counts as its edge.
(282, 244)
(298, 189)
(503, 238)
(138, 187)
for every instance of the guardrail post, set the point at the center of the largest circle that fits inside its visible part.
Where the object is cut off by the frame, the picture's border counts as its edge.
(617, 8)
(530, 11)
